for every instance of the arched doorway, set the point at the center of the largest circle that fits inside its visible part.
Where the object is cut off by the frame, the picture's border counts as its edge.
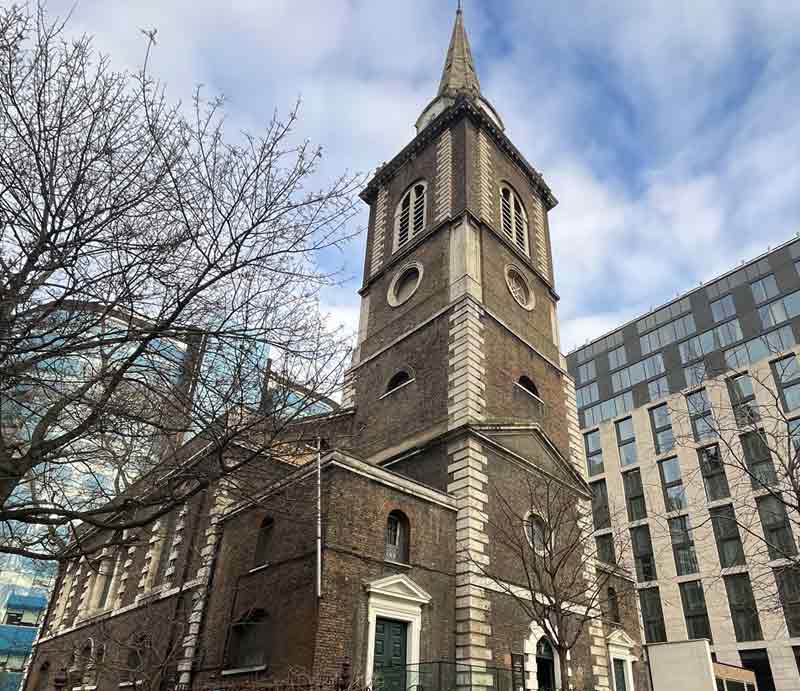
(545, 666)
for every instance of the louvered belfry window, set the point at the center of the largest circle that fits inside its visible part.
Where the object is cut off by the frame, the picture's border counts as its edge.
(515, 220)
(410, 216)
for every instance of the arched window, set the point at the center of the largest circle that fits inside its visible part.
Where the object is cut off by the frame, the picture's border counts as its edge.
(527, 384)
(515, 219)
(264, 541)
(249, 641)
(613, 605)
(87, 663)
(411, 215)
(43, 677)
(545, 665)
(536, 531)
(397, 537)
(402, 377)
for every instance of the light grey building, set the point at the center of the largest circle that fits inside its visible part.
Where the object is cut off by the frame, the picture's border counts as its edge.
(674, 407)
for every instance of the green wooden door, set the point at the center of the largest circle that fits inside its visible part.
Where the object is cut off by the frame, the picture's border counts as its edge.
(389, 670)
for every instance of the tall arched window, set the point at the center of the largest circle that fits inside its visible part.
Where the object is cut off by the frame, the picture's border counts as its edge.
(136, 657)
(397, 537)
(43, 677)
(410, 216)
(515, 219)
(249, 641)
(87, 663)
(546, 671)
(264, 541)
(613, 605)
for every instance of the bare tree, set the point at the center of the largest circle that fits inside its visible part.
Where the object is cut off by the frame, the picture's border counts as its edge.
(550, 563)
(154, 274)
(745, 430)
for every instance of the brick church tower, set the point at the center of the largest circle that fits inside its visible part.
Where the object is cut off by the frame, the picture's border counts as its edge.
(458, 348)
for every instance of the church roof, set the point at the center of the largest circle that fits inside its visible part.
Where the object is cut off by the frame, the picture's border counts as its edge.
(459, 75)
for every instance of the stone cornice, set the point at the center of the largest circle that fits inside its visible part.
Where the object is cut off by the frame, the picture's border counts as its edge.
(462, 107)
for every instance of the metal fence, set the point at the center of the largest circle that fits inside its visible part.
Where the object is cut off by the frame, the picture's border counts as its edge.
(445, 676)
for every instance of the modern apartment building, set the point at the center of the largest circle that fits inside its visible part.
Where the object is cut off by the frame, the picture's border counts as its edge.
(675, 407)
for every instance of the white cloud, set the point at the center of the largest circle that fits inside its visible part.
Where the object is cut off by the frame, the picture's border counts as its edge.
(667, 130)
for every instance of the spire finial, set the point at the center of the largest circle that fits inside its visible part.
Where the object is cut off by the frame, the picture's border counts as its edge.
(459, 74)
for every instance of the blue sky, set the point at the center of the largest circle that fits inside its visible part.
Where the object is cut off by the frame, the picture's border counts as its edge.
(668, 131)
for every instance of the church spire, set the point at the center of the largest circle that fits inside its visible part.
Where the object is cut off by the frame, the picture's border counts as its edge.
(459, 79)
(459, 75)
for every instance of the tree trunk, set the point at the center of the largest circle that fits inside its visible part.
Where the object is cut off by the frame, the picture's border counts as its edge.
(563, 665)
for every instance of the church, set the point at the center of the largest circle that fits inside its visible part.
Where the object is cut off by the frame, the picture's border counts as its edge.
(382, 560)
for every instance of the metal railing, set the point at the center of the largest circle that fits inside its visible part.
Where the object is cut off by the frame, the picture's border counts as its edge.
(444, 675)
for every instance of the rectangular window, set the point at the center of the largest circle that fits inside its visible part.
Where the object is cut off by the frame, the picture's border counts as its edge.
(713, 472)
(758, 348)
(605, 549)
(617, 358)
(723, 308)
(743, 608)
(641, 371)
(634, 495)
(794, 434)
(594, 452)
(694, 610)
(695, 374)
(662, 428)
(787, 374)
(668, 333)
(643, 554)
(587, 372)
(672, 484)
(777, 529)
(779, 311)
(627, 442)
(788, 581)
(652, 616)
(619, 405)
(658, 388)
(600, 512)
(680, 532)
(701, 416)
(764, 288)
(586, 395)
(726, 535)
(758, 459)
(743, 397)
(707, 342)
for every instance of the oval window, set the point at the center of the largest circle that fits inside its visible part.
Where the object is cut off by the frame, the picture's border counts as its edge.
(519, 289)
(405, 284)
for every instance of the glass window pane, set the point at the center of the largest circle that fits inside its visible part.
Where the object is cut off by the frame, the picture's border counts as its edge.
(627, 453)
(665, 441)
(671, 470)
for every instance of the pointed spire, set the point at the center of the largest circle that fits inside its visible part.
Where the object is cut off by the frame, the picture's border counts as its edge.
(459, 75)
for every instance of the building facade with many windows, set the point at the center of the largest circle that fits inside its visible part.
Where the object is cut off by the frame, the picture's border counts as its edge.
(688, 418)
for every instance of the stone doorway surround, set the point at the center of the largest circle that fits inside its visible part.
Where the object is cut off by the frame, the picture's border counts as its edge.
(400, 599)
(621, 647)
